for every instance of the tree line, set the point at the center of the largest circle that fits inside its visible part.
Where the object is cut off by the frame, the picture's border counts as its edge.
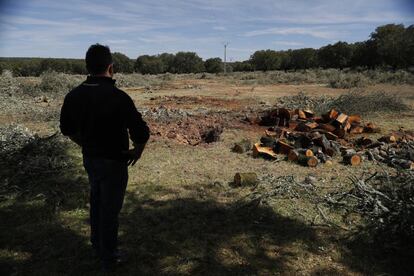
(389, 46)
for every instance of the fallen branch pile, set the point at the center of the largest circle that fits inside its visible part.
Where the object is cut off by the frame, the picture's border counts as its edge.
(384, 201)
(310, 140)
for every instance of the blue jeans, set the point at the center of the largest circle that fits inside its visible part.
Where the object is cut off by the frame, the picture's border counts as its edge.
(108, 180)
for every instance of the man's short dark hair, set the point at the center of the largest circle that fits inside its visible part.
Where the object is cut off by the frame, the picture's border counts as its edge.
(97, 59)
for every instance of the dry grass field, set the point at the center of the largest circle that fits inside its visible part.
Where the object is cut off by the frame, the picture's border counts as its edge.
(182, 216)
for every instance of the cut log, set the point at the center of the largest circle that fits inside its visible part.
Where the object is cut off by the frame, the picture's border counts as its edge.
(319, 120)
(363, 141)
(283, 147)
(303, 127)
(322, 157)
(404, 135)
(308, 161)
(348, 152)
(341, 119)
(245, 179)
(314, 135)
(293, 125)
(330, 115)
(276, 117)
(375, 145)
(347, 126)
(331, 136)
(327, 127)
(303, 141)
(323, 142)
(388, 139)
(316, 150)
(306, 152)
(352, 159)
(309, 113)
(405, 164)
(330, 152)
(309, 153)
(335, 146)
(268, 141)
(356, 129)
(300, 113)
(263, 151)
(242, 146)
(293, 155)
(339, 132)
(280, 132)
(312, 125)
(354, 119)
(277, 133)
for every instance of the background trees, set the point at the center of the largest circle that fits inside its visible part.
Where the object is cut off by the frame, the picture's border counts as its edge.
(213, 65)
(122, 63)
(149, 65)
(389, 46)
(187, 62)
(265, 60)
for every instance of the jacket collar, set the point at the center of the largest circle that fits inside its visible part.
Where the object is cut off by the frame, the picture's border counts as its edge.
(99, 79)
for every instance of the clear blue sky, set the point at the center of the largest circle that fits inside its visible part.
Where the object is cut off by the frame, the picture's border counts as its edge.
(54, 28)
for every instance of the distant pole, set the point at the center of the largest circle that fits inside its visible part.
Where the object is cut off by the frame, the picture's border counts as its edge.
(225, 56)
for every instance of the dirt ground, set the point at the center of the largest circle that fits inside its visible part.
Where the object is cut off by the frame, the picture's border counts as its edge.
(181, 214)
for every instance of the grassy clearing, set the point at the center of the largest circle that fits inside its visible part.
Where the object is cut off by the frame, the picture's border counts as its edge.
(181, 216)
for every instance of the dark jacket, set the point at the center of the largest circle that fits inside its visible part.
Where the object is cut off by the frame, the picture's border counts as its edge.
(101, 115)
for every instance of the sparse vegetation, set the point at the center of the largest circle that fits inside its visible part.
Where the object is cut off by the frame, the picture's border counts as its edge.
(182, 216)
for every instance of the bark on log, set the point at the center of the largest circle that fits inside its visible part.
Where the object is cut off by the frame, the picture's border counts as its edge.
(309, 113)
(352, 159)
(330, 152)
(348, 152)
(331, 136)
(242, 146)
(363, 141)
(405, 164)
(308, 161)
(327, 127)
(339, 132)
(323, 142)
(283, 147)
(293, 155)
(268, 141)
(330, 115)
(263, 151)
(312, 125)
(388, 139)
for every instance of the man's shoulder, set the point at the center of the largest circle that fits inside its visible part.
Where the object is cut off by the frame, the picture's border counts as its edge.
(75, 92)
(122, 94)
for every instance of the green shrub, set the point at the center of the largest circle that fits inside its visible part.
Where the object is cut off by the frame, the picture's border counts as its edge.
(348, 80)
(58, 83)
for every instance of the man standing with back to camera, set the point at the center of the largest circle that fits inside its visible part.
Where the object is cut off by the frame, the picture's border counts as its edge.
(98, 116)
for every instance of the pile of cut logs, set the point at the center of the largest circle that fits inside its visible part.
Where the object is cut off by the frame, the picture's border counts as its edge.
(310, 140)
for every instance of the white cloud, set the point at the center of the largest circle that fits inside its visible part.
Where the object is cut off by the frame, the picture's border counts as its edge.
(219, 28)
(314, 32)
(288, 43)
(49, 26)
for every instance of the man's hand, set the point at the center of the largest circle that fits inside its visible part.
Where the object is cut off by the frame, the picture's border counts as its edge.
(134, 154)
